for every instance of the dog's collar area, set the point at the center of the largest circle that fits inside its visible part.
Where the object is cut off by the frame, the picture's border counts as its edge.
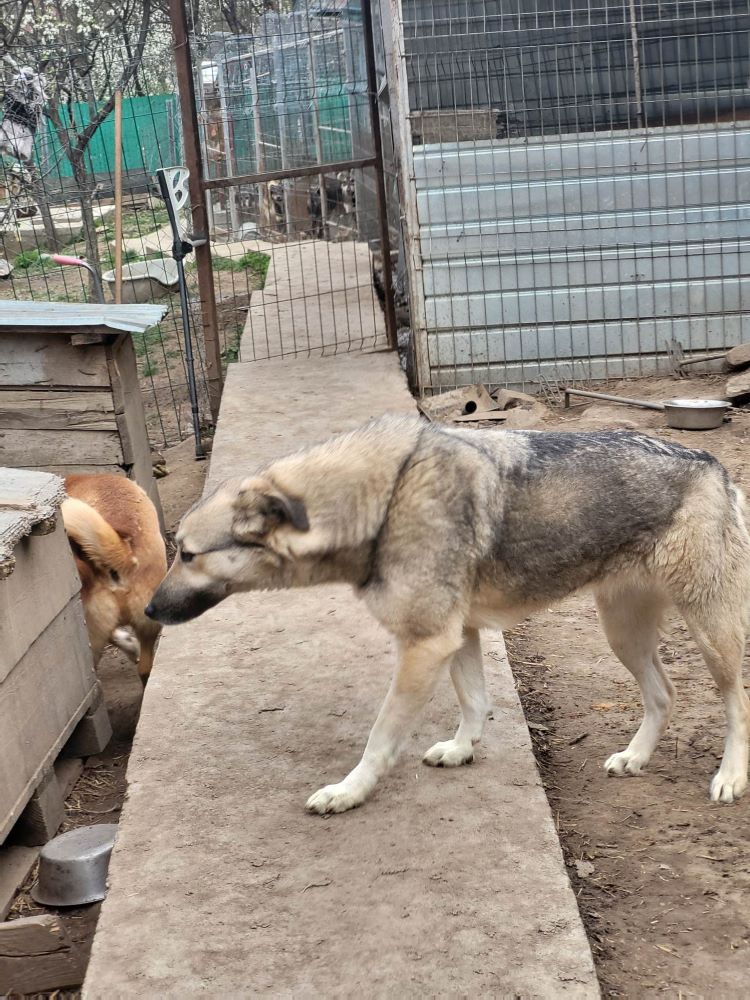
(189, 556)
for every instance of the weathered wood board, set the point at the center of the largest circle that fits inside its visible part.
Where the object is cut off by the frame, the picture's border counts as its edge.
(69, 405)
(34, 449)
(37, 954)
(66, 410)
(48, 359)
(41, 700)
(15, 864)
(41, 585)
(83, 470)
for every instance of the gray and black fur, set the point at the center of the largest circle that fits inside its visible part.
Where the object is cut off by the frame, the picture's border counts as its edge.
(444, 531)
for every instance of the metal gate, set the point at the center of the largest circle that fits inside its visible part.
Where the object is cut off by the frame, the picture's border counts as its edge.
(578, 181)
(280, 123)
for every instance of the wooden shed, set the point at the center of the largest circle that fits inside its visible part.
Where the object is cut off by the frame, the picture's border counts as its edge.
(70, 399)
(47, 678)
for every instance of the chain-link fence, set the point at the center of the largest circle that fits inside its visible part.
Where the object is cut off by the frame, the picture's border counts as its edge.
(576, 180)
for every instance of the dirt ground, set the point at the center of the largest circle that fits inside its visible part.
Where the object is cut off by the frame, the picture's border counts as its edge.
(661, 874)
(98, 795)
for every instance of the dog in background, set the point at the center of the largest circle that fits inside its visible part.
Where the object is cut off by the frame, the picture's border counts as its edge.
(121, 558)
(340, 201)
(444, 531)
(272, 210)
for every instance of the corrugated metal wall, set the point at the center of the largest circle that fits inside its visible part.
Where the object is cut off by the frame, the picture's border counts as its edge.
(584, 256)
(581, 179)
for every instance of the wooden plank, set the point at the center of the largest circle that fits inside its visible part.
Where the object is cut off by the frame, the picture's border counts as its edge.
(83, 470)
(36, 449)
(738, 385)
(41, 702)
(131, 417)
(738, 357)
(92, 734)
(37, 954)
(47, 409)
(68, 771)
(15, 864)
(43, 813)
(44, 580)
(50, 360)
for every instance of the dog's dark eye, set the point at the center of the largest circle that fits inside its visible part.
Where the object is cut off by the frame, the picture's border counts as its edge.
(187, 556)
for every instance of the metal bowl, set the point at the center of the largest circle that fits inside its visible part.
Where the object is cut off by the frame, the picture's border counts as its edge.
(695, 414)
(73, 867)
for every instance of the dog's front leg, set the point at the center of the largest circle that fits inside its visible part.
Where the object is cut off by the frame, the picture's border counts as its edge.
(419, 666)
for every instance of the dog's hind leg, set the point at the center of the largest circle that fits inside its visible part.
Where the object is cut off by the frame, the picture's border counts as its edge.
(630, 618)
(147, 636)
(467, 674)
(420, 664)
(721, 640)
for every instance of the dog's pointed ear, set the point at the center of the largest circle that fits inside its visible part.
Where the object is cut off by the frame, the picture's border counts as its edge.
(260, 507)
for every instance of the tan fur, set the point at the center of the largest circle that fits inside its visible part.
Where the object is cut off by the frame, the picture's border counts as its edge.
(121, 559)
(443, 532)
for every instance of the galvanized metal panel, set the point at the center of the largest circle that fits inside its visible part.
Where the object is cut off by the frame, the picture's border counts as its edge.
(585, 250)
(50, 316)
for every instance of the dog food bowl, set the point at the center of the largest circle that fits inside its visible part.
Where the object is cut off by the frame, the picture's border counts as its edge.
(695, 414)
(146, 280)
(73, 867)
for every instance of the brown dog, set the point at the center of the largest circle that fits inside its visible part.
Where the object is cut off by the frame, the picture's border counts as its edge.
(113, 530)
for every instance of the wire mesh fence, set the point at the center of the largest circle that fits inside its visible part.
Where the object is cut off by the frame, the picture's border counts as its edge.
(292, 181)
(577, 176)
(59, 197)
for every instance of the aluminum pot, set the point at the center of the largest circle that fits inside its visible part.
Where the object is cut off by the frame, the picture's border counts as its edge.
(73, 867)
(695, 414)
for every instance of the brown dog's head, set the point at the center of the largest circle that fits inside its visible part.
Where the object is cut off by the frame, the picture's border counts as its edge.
(233, 540)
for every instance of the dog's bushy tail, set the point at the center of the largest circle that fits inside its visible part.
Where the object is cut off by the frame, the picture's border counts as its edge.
(98, 541)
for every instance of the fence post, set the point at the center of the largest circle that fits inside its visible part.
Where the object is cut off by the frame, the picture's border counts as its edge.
(385, 237)
(194, 163)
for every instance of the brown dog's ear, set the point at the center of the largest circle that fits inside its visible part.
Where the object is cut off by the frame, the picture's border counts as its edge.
(260, 507)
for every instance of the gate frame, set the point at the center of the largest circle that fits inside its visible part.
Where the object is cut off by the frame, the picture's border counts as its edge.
(200, 184)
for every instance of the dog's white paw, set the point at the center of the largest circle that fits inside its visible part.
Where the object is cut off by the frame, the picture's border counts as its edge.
(726, 787)
(449, 753)
(625, 762)
(335, 799)
(127, 642)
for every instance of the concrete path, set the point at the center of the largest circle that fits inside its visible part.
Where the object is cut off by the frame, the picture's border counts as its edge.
(318, 299)
(446, 883)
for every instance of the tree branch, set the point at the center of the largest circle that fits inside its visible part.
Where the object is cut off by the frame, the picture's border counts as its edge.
(84, 138)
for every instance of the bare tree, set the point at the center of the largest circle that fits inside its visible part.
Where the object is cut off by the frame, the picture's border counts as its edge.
(88, 50)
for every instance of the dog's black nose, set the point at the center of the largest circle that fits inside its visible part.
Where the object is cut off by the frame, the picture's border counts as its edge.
(149, 610)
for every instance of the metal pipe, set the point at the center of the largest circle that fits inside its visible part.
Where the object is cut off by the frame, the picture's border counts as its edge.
(612, 399)
(385, 236)
(64, 260)
(179, 249)
(189, 363)
(280, 175)
(194, 163)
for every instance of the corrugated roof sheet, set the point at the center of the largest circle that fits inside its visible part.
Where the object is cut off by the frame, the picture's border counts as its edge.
(63, 315)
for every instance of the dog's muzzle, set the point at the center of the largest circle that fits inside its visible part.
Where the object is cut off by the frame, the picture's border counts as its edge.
(170, 609)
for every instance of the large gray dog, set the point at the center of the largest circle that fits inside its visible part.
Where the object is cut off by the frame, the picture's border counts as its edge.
(443, 532)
